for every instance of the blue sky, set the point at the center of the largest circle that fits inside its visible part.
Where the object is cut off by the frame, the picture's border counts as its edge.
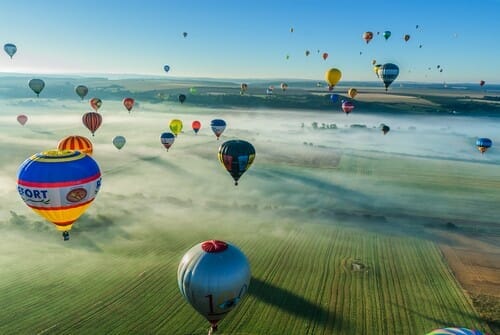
(250, 39)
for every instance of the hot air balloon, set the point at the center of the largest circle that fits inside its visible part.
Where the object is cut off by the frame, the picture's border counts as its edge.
(243, 88)
(481, 83)
(287, 57)
(386, 34)
(347, 107)
(10, 49)
(119, 141)
(269, 90)
(375, 69)
(455, 331)
(167, 139)
(193, 90)
(76, 142)
(213, 276)
(385, 128)
(483, 144)
(92, 120)
(308, 52)
(291, 29)
(81, 91)
(184, 34)
(325, 55)
(406, 37)
(218, 126)
(22, 119)
(374, 61)
(128, 103)
(166, 68)
(332, 77)
(334, 98)
(284, 86)
(352, 92)
(36, 85)
(182, 98)
(367, 36)
(236, 156)
(175, 126)
(95, 103)
(196, 125)
(388, 73)
(59, 185)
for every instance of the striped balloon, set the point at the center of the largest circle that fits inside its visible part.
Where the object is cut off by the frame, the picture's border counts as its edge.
(75, 142)
(92, 120)
(59, 185)
(455, 331)
(388, 73)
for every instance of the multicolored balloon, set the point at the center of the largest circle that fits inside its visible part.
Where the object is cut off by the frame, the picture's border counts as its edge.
(218, 126)
(82, 91)
(284, 86)
(10, 49)
(347, 107)
(332, 77)
(76, 142)
(388, 73)
(243, 88)
(367, 36)
(483, 144)
(167, 139)
(352, 92)
(95, 103)
(92, 120)
(196, 125)
(455, 331)
(175, 126)
(59, 185)
(119, 141)
(22, 119)
(236, 156)
(213, 276)
(36, 85)
(386, 34)
(128, 103)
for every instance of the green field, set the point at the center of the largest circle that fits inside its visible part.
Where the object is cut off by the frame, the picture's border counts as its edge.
(301, 220)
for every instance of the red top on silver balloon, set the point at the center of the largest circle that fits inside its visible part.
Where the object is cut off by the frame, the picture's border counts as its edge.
(212, 246)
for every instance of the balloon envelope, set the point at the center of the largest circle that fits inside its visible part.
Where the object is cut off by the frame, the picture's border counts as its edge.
(182, 98)
(36, 85)
(332, 77)
(92, 120)
(166, 68)
(367, 36)
(10, 49)
(483, 144)
(59, 185)
(81, 91)
(406, 38)
(128, 103)
(481, 83)
(218, 126)
(196, 125)
(236, 156)
(454, 331)
(388, 73)
(284, 86)
(167, 139)
(22, 119)
(334, 97)
(95, 103)
(213, 276)
(119, 141)
(175, 126)
(76, 142)
(325, 55)
(386, 34)
(347, 107)
(352, 92)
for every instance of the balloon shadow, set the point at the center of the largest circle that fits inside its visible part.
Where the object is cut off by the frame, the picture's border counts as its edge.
(294, 304)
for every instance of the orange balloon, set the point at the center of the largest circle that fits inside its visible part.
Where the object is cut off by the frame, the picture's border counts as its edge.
(76, 142)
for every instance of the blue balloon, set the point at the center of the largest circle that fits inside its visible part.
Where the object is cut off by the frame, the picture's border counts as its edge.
(166, 68)
(334, 97)
(484, 142)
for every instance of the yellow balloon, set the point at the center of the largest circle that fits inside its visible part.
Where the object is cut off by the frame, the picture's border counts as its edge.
(175, 126)
(352, 92)
(375, 68)
(332, 77)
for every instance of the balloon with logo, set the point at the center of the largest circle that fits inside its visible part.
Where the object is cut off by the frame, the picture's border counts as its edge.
(236, 156)
(36, 86)
(76, 142)
(92, 121)
(213, 276)
(196, 125)
(347, 107)
(10, 49)
(59, 185)
(22, 119)
(332, 77)
(95, 103)
(167, 139)
(218, 126)
(388, 73)
(175, 126)
(119, 141)
(82, 91)
(128, 103)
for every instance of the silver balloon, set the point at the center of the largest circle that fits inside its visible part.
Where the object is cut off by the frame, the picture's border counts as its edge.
(213, 276)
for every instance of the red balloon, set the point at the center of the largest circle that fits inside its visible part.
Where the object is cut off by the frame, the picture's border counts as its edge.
(92, 121)
(325, 55)
(196, 126)
(95, 103)
(347, 107)
(22, 119)
(128, 103)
